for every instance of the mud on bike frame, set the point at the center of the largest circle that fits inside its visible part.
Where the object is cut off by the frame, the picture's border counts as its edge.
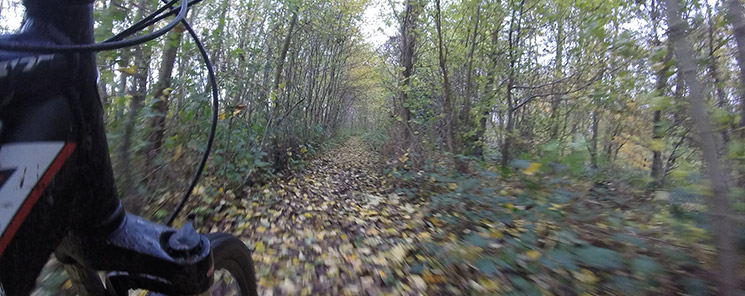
(57, 188)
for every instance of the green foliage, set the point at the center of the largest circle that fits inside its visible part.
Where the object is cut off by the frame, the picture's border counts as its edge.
(539, 224)
(375, 139)
(645, 266)
(598, 257)
(263, 130)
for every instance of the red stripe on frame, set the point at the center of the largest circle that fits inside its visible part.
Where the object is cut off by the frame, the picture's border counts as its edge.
(33, 197)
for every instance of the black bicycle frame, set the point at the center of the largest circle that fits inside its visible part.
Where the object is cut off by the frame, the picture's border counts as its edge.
(57, 189)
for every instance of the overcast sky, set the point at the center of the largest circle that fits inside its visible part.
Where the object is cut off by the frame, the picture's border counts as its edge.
(11, 14)
(374, 28)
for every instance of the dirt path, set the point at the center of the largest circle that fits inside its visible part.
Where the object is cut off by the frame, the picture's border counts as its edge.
(331, 231)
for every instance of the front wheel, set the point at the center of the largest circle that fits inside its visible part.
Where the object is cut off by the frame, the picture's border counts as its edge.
(234, 268)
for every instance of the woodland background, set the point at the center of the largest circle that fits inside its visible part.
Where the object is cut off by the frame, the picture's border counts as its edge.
(597, 113)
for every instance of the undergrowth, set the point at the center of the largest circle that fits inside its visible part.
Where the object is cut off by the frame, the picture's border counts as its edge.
(538, 231)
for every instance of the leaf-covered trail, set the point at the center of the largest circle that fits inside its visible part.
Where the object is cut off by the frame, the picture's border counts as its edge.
(330, 230)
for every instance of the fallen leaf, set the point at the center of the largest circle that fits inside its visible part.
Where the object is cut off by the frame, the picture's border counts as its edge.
(532, 168)
(434, 278)
(417, 282)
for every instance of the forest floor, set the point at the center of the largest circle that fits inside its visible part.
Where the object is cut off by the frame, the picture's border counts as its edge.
(345, 226)
(330, 229)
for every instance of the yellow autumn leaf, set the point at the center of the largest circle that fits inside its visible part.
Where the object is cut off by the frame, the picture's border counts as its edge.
(453, 186)
(658, 145)
(178, 153)
(586, 276)
(131, 70)
(532, 168)
(261, 229)
(434, 278)
(260, 247)
(533, 254)
(489, 284)
(221, 115)
(264, 282)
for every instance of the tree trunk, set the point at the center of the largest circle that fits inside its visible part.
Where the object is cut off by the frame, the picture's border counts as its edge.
(280, 66)
(594, 140)
(488, 99)
(657, 171)
(507, 139)
(161, 93)
(219, 34)
(559, 72)
(727, 269)
(272, 101)
(138, 92)
(714, 72)
(735, 13)
(122, 88)
(448, 103)
(673, 156)
(407, 46)
(513, 43)
(465, 113)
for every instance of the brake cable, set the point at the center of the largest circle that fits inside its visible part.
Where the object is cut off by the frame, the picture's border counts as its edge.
(148, 21)
(139, 25)
(213, 126)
